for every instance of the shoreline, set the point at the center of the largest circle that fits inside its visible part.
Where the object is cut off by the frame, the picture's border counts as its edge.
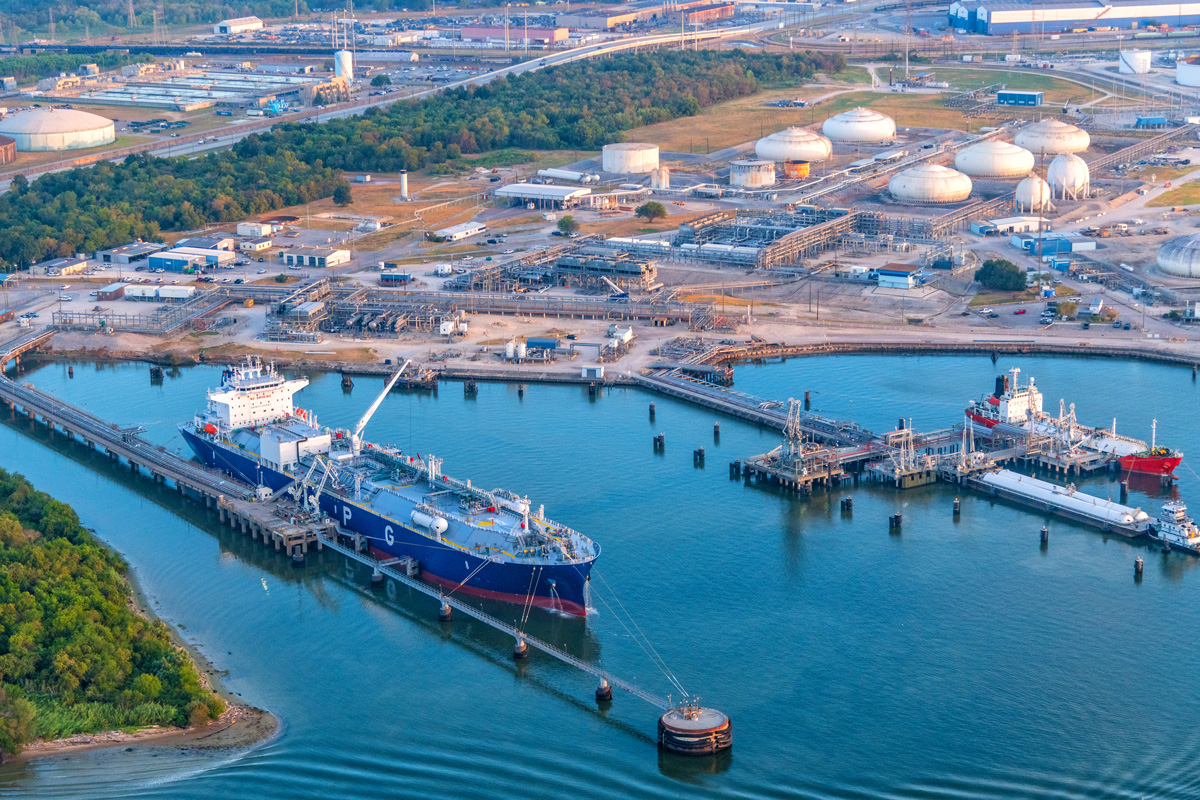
(241, 725)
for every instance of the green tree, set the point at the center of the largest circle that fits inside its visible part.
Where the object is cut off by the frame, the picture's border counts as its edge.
(381, 80)
(16, 722)
(341, 194)
(568, 225)
(651, 211)
(1067, 308)
(1001, 275)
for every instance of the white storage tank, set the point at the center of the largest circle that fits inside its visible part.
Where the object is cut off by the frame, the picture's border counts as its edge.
(1134, 62)
(1052, 137)
(752, 174)
(930, 183)
(629, 158)
(343, 64)
(794, 144)
(521, 349)
(57, 129)
(994, 159)
(1033, 194)
(1069, 177)
(860, 126)
(510, 350)
(1181, 256)
(1187, 71)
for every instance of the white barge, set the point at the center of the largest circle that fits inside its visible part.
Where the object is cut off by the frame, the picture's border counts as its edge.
(1065, 501)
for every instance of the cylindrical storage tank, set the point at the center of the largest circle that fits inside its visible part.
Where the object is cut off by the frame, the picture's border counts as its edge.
(930, 183)
(1187, 71)
(629, 158)
(57, 129)
(660, 178)
(510, 350)
(403, 184)
(749, 174)
(435, 525)
(994, 159)
(796, 169)
(1053, 138)
(521, 349)
(1134, 62)
(1069, 177)
(1033, 194)
(860, 126)
(794, 144)
(343, 64)
(1181, 256)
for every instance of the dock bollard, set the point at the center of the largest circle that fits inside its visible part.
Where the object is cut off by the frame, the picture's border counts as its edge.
(1137, 566)
(1045, 535)
(957, 506)
(445, 613)
(376, 576)
(520, 650)
(604, 691)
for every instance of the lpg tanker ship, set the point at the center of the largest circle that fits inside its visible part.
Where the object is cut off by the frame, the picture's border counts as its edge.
(485, 543)
(1016, 410)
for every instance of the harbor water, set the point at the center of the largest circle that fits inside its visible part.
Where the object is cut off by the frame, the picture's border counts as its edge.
(956, 659)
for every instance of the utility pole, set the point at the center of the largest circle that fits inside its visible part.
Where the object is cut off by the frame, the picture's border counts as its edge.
(907, 31)
(52, 24)
(132, 16)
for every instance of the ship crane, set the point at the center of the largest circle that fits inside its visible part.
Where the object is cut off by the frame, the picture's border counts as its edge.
(356, 434)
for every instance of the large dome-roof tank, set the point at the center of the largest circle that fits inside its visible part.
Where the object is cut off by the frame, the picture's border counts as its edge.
(930, 183)
(860, 126)
(794, 144)
(1181, 256)
(57, 129)
(994, 159)
(1053, 137)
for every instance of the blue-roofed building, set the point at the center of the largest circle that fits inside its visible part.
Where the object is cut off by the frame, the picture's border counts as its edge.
(1000, 17)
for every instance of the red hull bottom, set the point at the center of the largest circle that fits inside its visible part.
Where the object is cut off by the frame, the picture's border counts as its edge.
(1150, 465)
(552, 603)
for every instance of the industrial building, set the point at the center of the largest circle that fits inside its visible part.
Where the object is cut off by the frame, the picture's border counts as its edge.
(238, 25)
(160, 294)
(701, 15)
(456, 233)
(255, 245)
(209, 242)
(129, 253)
(541, 196)
(1000, 17)
(316, 257)
(189, 90)
(256, 229)
(515, 35)
(59, 266)
(8, 149)
(114, 291)
(594, 271)
(212, 256)
(898, 276)
(41, 129)
(1012, 97)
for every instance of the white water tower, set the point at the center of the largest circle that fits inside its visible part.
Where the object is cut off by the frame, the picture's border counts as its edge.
(343, 64)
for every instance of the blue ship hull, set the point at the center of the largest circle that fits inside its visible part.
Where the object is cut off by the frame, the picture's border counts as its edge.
(558, 586)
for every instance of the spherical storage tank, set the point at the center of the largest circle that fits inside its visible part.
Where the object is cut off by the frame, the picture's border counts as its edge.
(57, 129)
(1181, 256)
(994, 159)
(1134, 62)
(930, 183)
(1033, 194)
(859, 125)
(1052, 138)
(794, 144)
(1069, 177)
(629, 158)
(752, 174)
(1187, 71)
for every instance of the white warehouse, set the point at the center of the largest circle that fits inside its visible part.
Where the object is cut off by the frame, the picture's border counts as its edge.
(238, 25)
(456, 233)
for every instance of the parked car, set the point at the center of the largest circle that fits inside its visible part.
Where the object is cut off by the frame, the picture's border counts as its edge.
(1126, 326)
(261, 271)
(1019, 311)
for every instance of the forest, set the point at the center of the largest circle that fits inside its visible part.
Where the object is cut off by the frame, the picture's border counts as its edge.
(578, 106)
(97, 16)
(74, 655)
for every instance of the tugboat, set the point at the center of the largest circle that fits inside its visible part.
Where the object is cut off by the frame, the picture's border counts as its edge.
(1176, 530)
(1153, 460)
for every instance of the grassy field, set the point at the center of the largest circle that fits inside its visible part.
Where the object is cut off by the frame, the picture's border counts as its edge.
(1056, 90)
(852, 74)
(1186, 195)
(1002, 298)
(49, 157)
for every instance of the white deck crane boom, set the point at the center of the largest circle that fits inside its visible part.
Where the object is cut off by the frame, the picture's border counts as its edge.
(356, 434)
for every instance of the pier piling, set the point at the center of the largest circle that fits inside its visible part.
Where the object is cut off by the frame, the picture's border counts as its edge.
(652, 411)
(1137, 568)
(957, 506)
(445, 613)
(520, 650)
(1045, 536)
(604, 693)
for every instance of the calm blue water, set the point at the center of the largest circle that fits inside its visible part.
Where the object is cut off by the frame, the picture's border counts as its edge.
(957, 660)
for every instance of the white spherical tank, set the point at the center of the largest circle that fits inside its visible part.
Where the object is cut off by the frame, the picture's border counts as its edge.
(794, 144)
(1069, 177)
(1181, 256)
(1134, 62)
(1033, 194)
(930, 183)
(750, 174)
(994, 159)
(57, 129)
(1187, 71)
(629, 158)
(1053, 137)
(860, 126)
(343, 64)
